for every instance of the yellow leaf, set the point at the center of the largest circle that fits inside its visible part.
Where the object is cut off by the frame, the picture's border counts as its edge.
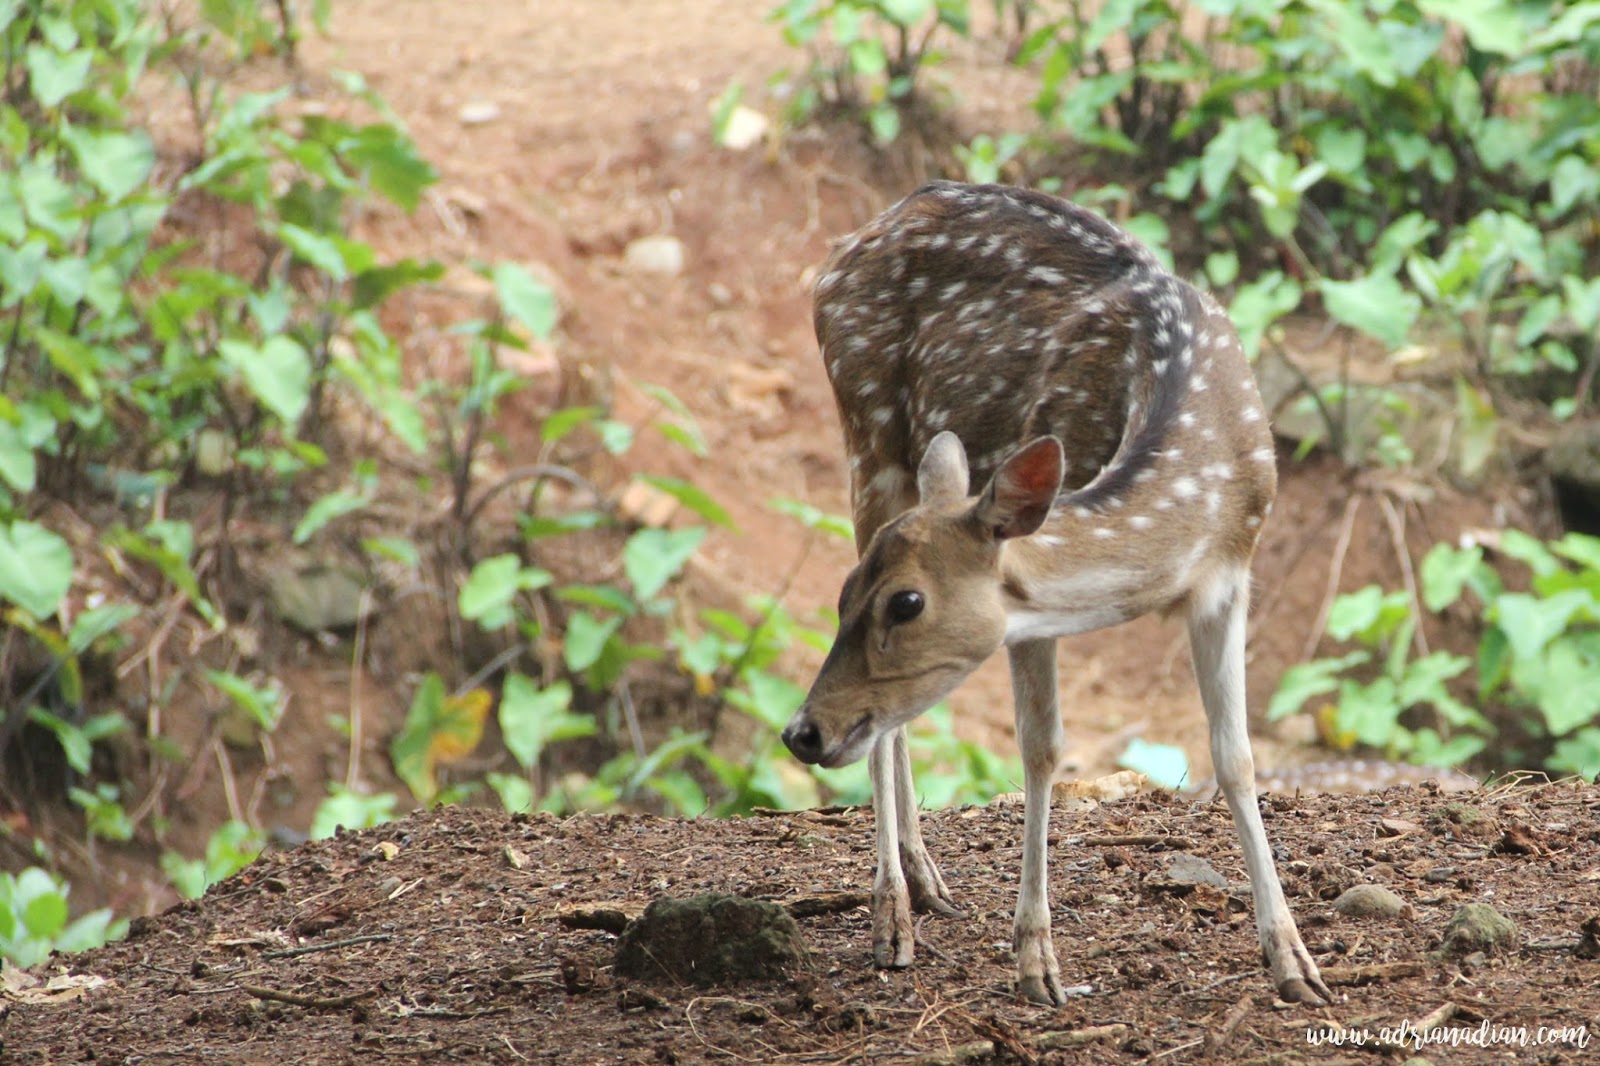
(459, 727)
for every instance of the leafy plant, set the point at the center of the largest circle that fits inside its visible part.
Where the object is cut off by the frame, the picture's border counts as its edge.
(866, 56)
(35, 919)
(233, 846)
(1536, 673)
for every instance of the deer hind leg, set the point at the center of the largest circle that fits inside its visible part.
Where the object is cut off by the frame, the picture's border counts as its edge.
(1040, 738)
(1217, 635)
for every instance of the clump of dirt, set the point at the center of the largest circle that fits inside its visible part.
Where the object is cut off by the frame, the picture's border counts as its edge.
(708, 939)
(461, 935)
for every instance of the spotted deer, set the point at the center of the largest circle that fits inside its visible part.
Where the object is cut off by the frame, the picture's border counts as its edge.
(1048, 434)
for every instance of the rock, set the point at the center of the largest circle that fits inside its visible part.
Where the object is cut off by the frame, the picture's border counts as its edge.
(1574, 462)
(745, 128)
(318, 597)
(1479, 927)
(1372, 901)
(1464, 820)
(711, 939)
(656, 254)
(1180, 870)
(478, 112)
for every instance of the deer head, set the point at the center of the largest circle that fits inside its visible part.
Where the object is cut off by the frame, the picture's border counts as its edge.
(925, 605)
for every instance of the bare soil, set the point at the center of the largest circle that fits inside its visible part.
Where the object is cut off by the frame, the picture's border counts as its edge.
(602, 136)
(460, 935)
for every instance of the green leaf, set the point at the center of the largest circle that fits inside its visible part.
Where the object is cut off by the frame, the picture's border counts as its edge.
(43, 903)
(653, 557)
(525, 299)
(334, 505)
(1529, 624)
(693, 497)
(351, 810)
(906, 12)
(1492, 25)
(532, 718)
(487, 594)
(586, 639)
(264, 704)
(1377, 305)
(1569, 683)
(35, 568)
(1445, 571)
(53, 76)
(18, 467)
(516, 793)
(320, 251)
(1305, 680)
(116, 163)
(438, 728)
(278, 373)
(391, 163)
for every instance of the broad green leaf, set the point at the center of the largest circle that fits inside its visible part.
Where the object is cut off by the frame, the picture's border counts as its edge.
(391, 163)
(586, 639)
(351, 810)
(116, 163)
(1492, 26)
(532, 718)
(516, 793)
(525, 299)
(97, 622)
(653, 557)
(487, 594)
(53, 76)
(319, 250)
(18, 467)
(35, 568)
(1445, 571)
(1529, 623)
(1377, 305)
(1370, 713)
(1569, 683)
(1305, 680)
(559, 423)
(43, 903)
(906, 12)
(278, 373)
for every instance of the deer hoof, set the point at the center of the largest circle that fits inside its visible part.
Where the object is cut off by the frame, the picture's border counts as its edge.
(1312, 992)
(1044, 990)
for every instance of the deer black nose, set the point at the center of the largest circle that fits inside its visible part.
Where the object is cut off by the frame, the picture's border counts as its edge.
(804, 739)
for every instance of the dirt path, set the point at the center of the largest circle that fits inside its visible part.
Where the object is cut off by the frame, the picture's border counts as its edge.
(461, 935)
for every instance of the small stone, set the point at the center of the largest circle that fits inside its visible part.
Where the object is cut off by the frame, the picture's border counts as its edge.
(318, 597)
(478, 112)
(656, 254)
(1439, 875)
(744, 129)
(1372, 901)
(1182, 870)
(1479, 927)
(711, 939)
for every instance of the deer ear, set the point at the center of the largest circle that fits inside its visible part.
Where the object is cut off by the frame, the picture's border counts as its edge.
(1023, 490)
(943, 473)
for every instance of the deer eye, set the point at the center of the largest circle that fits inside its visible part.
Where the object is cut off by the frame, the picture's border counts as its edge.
(905, 605)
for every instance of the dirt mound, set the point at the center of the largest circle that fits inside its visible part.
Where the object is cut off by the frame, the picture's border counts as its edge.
(461, 935)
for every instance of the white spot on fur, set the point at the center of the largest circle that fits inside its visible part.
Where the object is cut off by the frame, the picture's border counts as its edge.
(1140, 521)
(1184, 488)
(1263, 455)
(1104, 532)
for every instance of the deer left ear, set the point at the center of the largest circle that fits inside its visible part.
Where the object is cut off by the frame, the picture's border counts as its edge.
(1023, 490)
(943, 473)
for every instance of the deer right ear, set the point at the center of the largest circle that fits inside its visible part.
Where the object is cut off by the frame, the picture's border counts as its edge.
(1019, 499)
(943, 473)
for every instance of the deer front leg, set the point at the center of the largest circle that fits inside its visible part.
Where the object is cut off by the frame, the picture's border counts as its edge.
(1217, 637)
(1040, 738)
(892, 935)
(927, 888)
